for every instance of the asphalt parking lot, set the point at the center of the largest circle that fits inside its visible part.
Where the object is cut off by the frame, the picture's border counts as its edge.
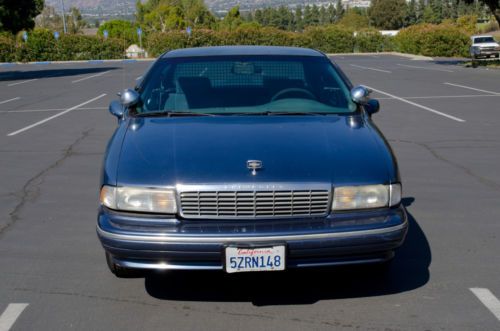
(441, 119)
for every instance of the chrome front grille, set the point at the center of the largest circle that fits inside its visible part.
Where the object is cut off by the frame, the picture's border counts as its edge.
(254, 203)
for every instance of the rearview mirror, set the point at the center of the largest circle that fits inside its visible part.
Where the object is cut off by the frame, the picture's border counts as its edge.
(129, 98)
(361, 95)
(116, 109)
(372, 107)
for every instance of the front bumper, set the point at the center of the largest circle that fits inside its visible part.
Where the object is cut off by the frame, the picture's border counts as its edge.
(146, 242)
(485, 53)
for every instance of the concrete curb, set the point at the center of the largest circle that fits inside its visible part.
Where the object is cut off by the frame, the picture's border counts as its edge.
(11, 64)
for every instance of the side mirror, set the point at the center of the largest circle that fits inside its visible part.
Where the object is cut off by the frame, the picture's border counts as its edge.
(116, 109)
(372, 107)
(129, 98)
(360, 95)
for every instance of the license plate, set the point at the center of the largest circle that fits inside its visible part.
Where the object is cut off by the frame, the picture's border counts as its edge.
(255, 259)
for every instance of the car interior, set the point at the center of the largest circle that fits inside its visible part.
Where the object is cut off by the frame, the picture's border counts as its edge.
(240, 86)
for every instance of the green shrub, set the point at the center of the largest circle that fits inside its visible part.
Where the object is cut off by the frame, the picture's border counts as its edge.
(433, 40)
(40, 46)
(203, 38)
(7, 48)
(467, 23)
(267, 36)
(158, 42)
(79, 47)
(120, 29)
(371, 40)
(330, 39)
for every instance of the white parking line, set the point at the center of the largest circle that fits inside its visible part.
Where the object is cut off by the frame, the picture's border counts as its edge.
(24, 81)
(48, 110)
(471, 88)
(424, 68)
(139, 78)
(13, 99)
(54, 116)
(88, 77)
(445, 97)
(10, 315)
(374, 69)
(419, 106)
(488, 299)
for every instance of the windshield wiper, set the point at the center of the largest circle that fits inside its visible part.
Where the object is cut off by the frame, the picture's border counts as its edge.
(277, 113)
(171, 114)
(295, 113)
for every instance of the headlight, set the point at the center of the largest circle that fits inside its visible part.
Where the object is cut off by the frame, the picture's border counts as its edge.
(366, 197)
(137, 199)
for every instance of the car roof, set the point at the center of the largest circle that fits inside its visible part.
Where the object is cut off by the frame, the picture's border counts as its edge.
(241, 51)
(483, 36)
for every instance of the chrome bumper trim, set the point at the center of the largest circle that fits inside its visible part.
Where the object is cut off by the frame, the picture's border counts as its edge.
(258, 239)
(164, 266)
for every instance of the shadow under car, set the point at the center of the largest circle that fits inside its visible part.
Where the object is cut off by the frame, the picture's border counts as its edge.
(409, 270)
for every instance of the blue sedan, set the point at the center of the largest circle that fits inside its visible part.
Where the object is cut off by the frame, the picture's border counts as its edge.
(247, 159)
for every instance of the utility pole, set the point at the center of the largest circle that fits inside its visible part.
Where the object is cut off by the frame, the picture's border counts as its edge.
(64, 17)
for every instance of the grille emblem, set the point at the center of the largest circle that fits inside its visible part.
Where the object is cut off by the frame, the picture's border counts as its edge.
(254, 165)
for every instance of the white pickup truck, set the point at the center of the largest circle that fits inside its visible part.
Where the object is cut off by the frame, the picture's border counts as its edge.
(484, 46)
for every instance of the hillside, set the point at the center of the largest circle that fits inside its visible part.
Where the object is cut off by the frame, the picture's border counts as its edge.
(220, 5)
(216, 5)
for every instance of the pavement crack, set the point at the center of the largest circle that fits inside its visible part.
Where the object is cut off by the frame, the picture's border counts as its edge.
(483, 180)
(31, 189)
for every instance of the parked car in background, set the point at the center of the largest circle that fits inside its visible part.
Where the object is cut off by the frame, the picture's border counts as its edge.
(484, 46)
(247, 159)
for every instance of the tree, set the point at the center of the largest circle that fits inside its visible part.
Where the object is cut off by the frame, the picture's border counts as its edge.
(258, 16)
(411, 13)
(323, 16)
(17, 15)
(196, 14)
(420, 11)
(285, 18)
(437, 9)
(164, 15)
(49, 19)
(120, 29)
(75, 21)
(332, 14)
(388, 14)
(307, 16)
(493, 5)
(232, 19)
(339, 10)
(433, 12)
(448, 12)
(315, 15)
(299, 19)
(354, 20)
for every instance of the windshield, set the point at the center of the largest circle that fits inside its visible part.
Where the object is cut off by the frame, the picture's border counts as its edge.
(244, 85)
(483, 40)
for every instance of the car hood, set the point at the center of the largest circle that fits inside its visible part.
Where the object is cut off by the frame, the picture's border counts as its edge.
(215, 150)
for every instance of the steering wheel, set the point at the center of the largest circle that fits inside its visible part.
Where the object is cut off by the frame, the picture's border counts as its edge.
(281, 93)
